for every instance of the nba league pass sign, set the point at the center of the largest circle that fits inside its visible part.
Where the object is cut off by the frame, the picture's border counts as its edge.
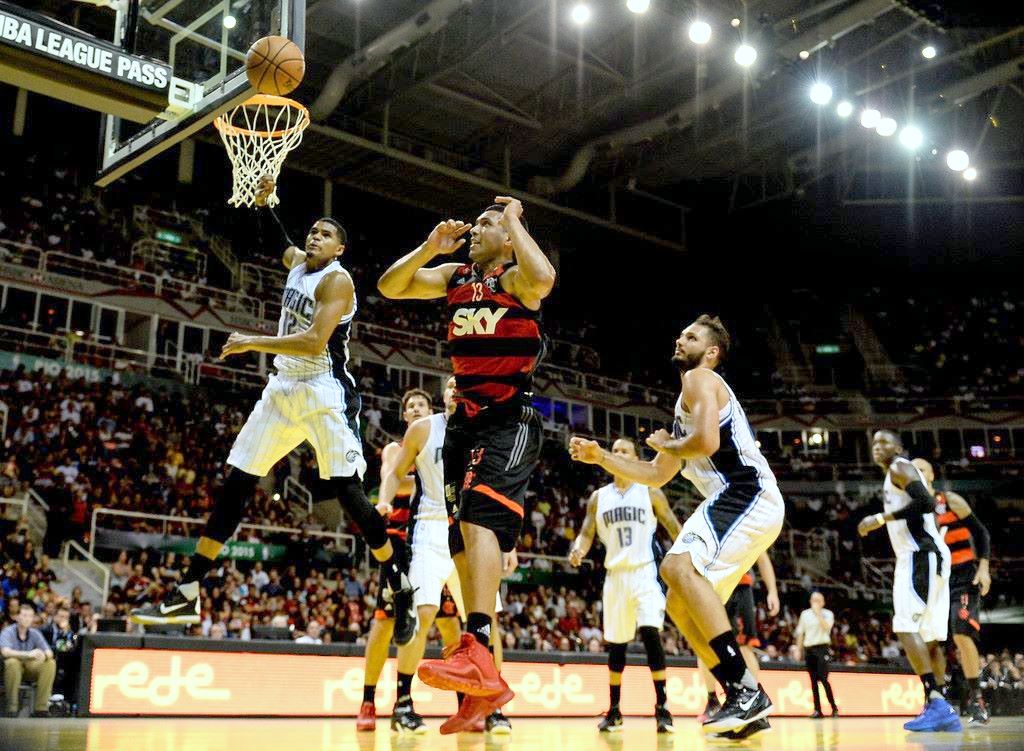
(32, 33)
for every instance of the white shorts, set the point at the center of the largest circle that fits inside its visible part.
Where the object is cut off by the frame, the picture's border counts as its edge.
(294, 410)
(431, 567)
(632, 598)
(920, 596)
(728, 531)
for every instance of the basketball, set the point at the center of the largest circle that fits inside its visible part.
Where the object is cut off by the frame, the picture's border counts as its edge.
(275, 65)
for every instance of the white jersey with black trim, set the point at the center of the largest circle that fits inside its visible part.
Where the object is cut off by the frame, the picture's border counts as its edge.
(915, 533)
(626, 525)
(738, 460)
(428, 503)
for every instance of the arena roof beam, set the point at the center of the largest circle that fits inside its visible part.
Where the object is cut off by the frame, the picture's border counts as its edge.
(492, 109)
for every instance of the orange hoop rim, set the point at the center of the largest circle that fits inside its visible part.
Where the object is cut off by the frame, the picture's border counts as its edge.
(221, 121)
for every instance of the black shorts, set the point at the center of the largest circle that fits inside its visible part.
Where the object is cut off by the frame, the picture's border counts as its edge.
(740, 609)
(488, 462)
(448, 607)
(965, 612)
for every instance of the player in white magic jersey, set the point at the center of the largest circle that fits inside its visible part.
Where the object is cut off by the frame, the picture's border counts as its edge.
(431, 565)
(741, 516)
(311, 398)
(625, 516)
(920, 591)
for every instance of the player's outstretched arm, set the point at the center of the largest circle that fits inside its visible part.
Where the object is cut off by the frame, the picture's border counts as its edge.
(406, 279)
(533, 277)
(906, 477)
(395, 466)
(664, 514)
(335, 296)
(653, 473)
(581, 545)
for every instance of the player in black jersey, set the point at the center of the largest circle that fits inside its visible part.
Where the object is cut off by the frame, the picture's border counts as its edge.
(969, 581)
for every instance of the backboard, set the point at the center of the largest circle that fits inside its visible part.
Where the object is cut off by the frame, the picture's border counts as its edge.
(205, 44)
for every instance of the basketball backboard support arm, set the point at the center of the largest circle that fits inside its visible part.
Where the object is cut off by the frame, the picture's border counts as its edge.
(205, 43)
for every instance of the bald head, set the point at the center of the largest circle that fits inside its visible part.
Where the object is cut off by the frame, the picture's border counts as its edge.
(927, 472)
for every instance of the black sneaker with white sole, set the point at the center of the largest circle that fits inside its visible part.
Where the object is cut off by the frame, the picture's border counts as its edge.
(405, 721)
(612, 722)
(498, 724)
(175, 610)
(406, 622)
(748, 730)
(664, 719)
(742, 707)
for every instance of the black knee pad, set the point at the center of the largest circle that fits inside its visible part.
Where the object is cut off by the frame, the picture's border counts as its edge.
(655, 651)
(616, 657)
(239, 488)
(353, 499)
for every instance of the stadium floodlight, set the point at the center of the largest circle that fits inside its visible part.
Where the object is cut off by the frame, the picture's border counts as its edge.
(886, 127)
(745, 55)
(735, 23)
(957, 160)
(911, 137)
(821, 93)
(580, 14)
(230, 22)
(700, 32)
(804, 54)
(970, 174)
(870, 118)
(638, 6)
(929, 52)
(844, 109)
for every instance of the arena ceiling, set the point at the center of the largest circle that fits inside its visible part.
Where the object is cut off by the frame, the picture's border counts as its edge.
(440, 103)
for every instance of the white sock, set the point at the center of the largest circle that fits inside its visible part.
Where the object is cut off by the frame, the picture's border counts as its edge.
(190, 590)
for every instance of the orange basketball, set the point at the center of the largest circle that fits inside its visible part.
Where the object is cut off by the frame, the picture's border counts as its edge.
(275, 65)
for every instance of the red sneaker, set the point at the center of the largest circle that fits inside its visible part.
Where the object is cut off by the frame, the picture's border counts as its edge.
(366, 722)
(473, 713)
(467, 667)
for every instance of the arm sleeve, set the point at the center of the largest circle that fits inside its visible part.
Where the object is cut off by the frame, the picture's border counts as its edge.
(829, 617)
(921, 501)
(980, 535)
(7, 640)
(38, 642)
(799, 625)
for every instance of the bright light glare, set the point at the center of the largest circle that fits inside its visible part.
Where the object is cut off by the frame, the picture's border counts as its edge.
(580, 13)
(886, 127)
(745, 55)
(957, 160)
(844, 109)
(700, 32)
(638, 6)
(229, 22)
(971, 174)
(735, 23)
(911, 137)
(821, 93)
(928, 52)
(804, 54)
(869, 118)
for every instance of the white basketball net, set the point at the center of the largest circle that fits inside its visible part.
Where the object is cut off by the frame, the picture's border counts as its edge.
(258, 134)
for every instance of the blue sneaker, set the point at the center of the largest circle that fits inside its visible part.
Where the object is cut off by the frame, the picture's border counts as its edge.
(938, 716)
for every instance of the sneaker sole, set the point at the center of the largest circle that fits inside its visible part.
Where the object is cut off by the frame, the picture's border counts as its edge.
(164, 620)
(735, 723)
(611, 729)
(447, 683)
(421, 730)
(500, 730)
(667, 729)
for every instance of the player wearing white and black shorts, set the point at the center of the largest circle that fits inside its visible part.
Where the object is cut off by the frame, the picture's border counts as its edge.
(742, 514)
(625, 516)
(312, 397)
(920, 591)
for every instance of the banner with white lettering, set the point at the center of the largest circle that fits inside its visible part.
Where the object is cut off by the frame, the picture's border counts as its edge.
(31, 32)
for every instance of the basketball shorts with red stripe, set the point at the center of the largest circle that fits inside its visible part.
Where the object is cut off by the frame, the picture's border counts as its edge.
(965, 611)
(488, 462)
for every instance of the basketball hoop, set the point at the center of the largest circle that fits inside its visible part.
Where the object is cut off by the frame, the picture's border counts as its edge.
(258, 134)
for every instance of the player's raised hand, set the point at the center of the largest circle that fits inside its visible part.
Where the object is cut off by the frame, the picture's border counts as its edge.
(236, 344)
(264, 188)
(575, 557)
(447, 237)
(513, 209)
(582, 450)
(659, 439)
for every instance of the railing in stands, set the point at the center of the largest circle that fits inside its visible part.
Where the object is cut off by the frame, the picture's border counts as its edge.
(186, 521)
(4, 413)
(294, 488)
(102, 589)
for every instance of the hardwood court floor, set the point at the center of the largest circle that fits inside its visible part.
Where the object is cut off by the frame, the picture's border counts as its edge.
(844, 734)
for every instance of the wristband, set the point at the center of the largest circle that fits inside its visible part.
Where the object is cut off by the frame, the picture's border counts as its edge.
(880, 518)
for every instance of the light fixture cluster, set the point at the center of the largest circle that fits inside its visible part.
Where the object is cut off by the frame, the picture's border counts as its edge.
(910, 136)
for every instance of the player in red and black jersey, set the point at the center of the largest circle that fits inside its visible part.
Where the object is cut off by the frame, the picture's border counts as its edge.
(492, 443)
(969, 581)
